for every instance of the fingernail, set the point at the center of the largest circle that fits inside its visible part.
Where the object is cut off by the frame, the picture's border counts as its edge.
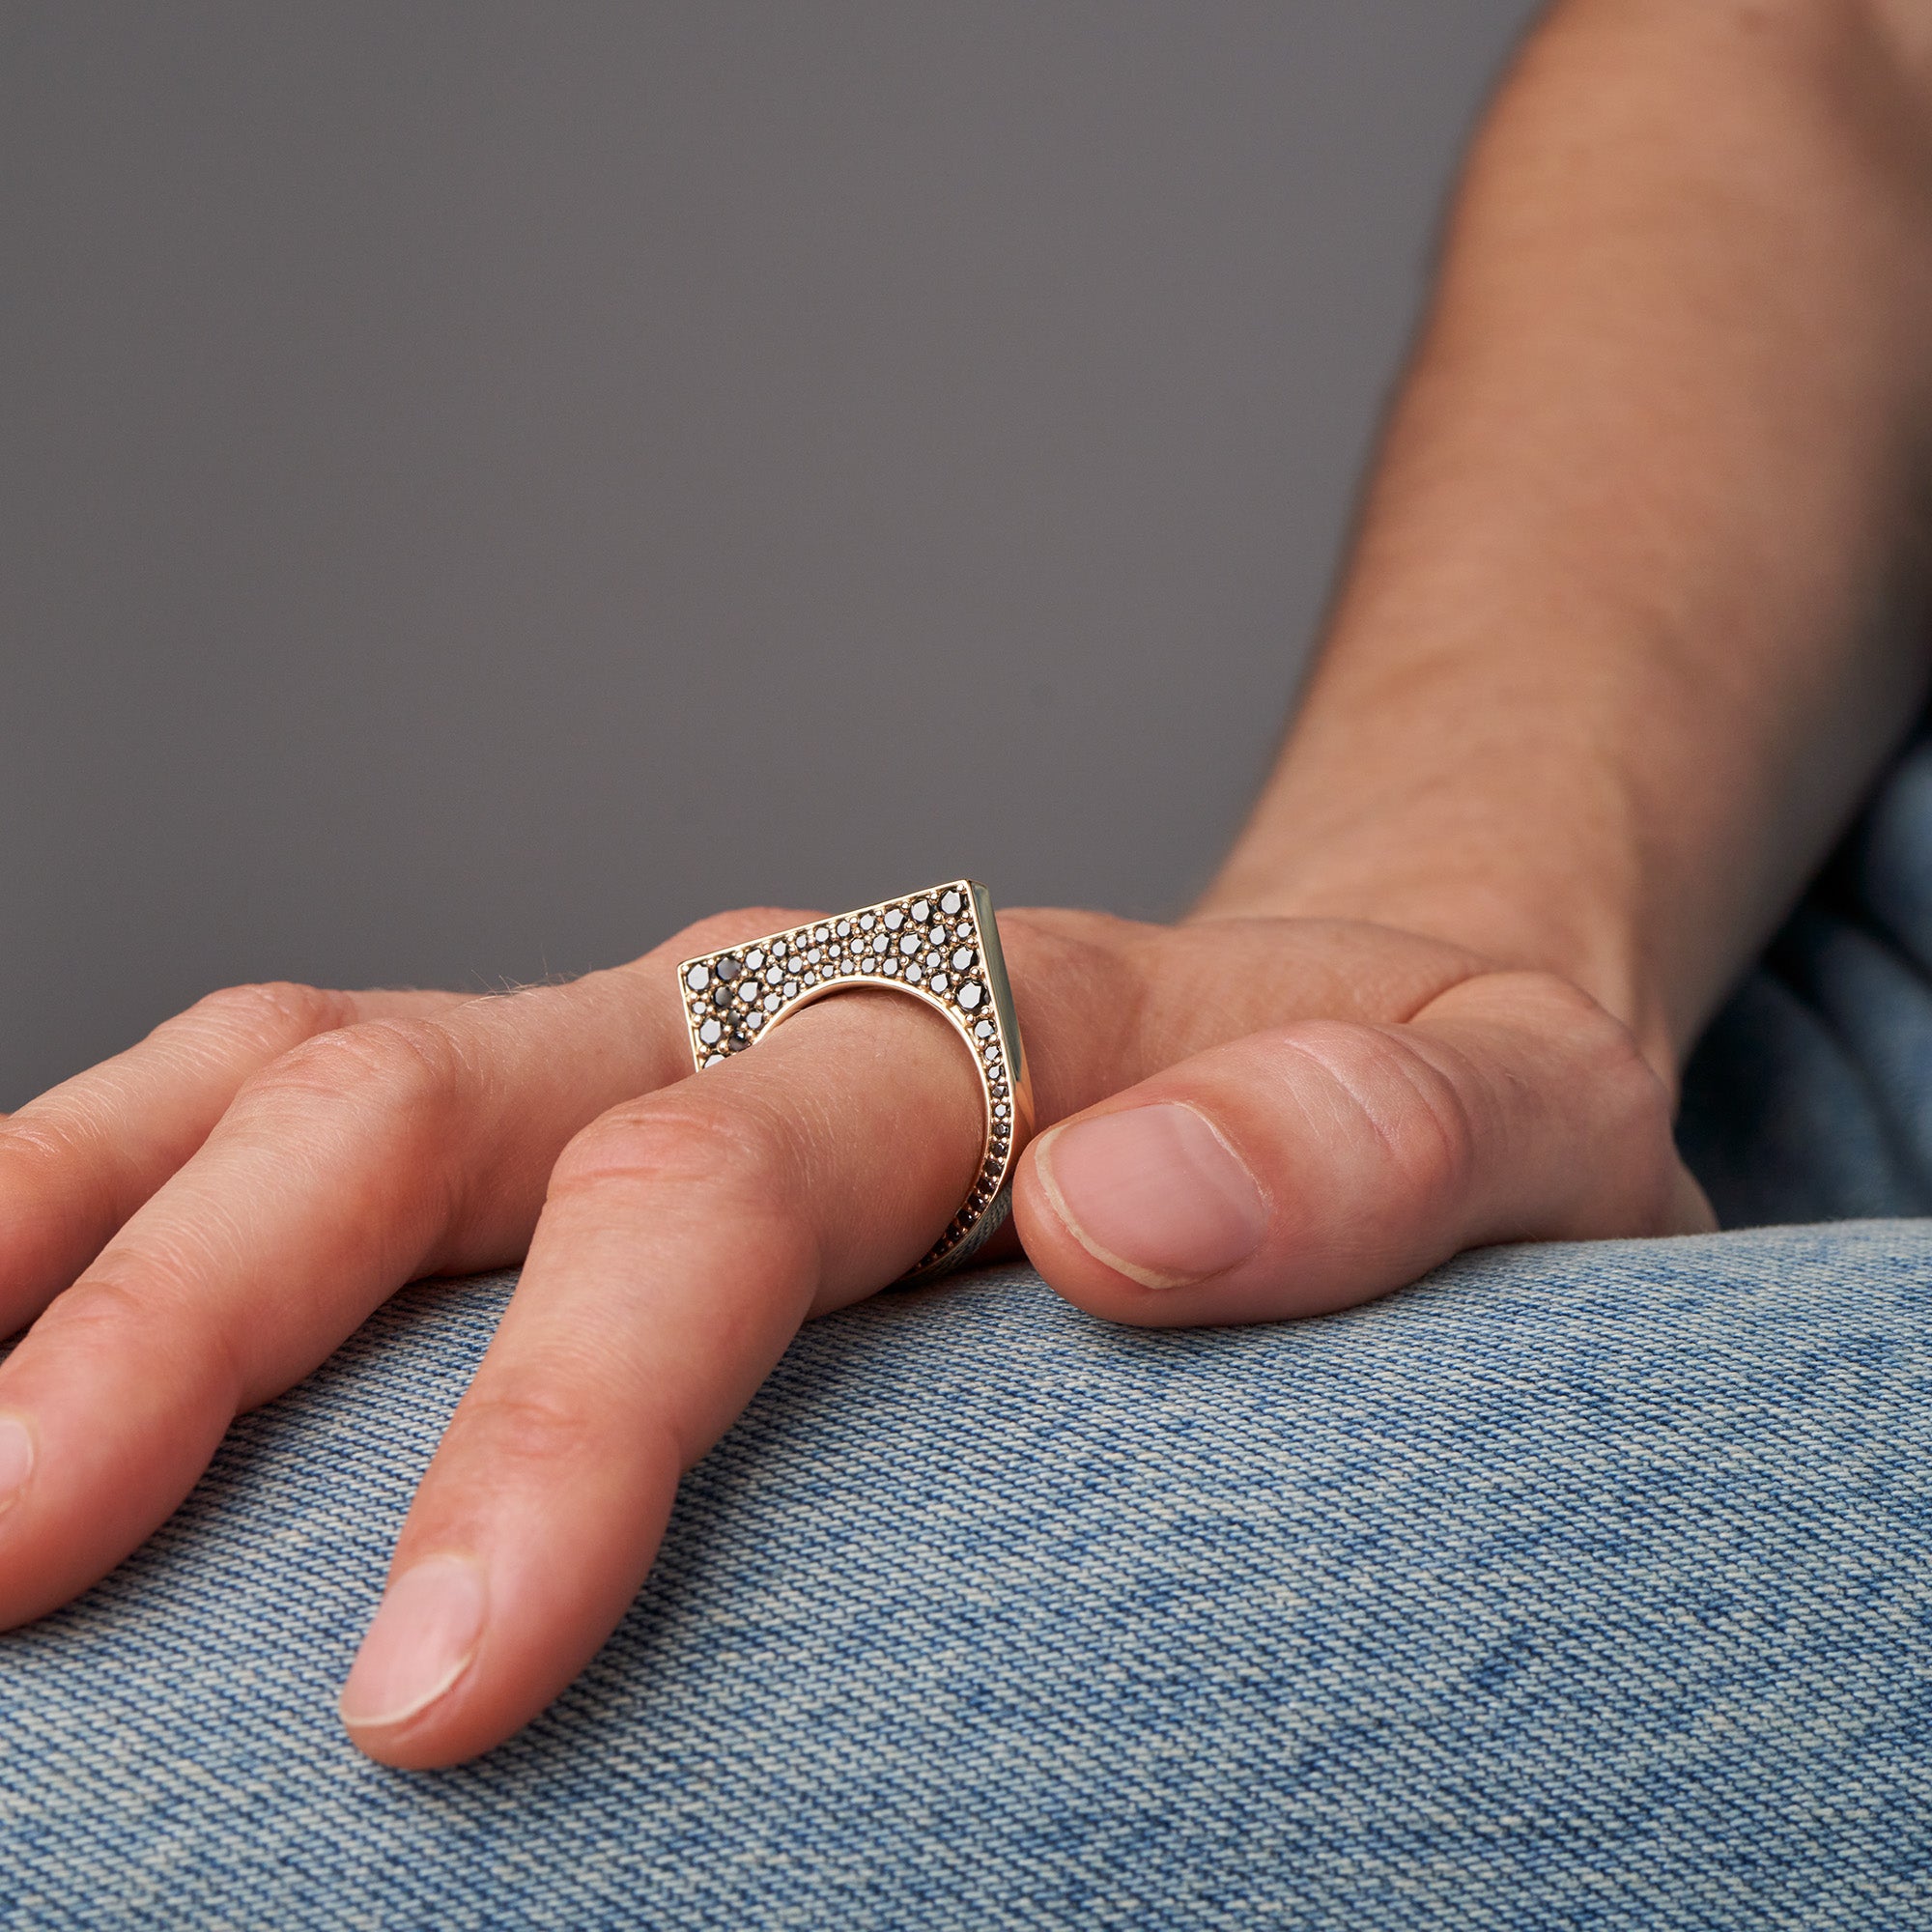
(424, 1635)
(17, 1458)
(1153, 1192)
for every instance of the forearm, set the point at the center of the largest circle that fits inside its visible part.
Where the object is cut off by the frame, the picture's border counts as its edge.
(1625, 627)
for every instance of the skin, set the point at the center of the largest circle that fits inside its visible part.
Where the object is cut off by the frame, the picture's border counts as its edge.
(1614, 655)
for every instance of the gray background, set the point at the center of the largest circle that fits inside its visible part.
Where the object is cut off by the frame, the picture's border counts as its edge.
(481, 485)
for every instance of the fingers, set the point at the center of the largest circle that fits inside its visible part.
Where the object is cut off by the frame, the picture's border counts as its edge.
(368, 1156)
(1310, 1167)
(685, 1238)
(76, 1163)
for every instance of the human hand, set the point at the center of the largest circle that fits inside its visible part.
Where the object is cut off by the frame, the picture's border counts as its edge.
(1249, 1119)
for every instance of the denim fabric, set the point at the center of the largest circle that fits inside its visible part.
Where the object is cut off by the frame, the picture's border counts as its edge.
(1575, 1587)
(1811, 1098)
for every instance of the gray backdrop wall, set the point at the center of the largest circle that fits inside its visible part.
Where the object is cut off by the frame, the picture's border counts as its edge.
(483, 484)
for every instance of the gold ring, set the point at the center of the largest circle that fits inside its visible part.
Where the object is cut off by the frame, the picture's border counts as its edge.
(941, 945)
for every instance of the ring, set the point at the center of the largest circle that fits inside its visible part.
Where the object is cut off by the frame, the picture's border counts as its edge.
(941, 945)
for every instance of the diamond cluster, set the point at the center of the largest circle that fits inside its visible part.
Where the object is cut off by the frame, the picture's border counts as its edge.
(927, 944)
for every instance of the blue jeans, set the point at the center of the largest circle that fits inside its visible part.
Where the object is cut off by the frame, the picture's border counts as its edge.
(1575, 1586)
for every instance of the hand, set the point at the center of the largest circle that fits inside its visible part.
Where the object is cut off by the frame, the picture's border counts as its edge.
(1255, 1119)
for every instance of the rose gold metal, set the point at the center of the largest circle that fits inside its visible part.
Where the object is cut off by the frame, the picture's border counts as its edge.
(968, 987)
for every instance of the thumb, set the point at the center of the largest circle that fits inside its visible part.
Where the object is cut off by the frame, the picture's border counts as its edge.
(1313, 1166)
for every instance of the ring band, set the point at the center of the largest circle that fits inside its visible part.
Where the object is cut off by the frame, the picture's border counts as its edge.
(941, 945)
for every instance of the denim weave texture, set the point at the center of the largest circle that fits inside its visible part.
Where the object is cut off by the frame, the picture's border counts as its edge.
(1575, 1587)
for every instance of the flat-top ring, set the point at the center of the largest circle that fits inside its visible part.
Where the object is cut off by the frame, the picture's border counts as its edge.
(941, 945)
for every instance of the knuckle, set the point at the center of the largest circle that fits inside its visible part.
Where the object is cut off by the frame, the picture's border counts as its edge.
(536, 1422)
(1415, 1117)
(94, 1306)
(405, 1068)
(41, 1141)
(269, 1012)
(1624, 1087)
(153, 1315)
(1547, 999)
(1636, 1184)
(665, 1142)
